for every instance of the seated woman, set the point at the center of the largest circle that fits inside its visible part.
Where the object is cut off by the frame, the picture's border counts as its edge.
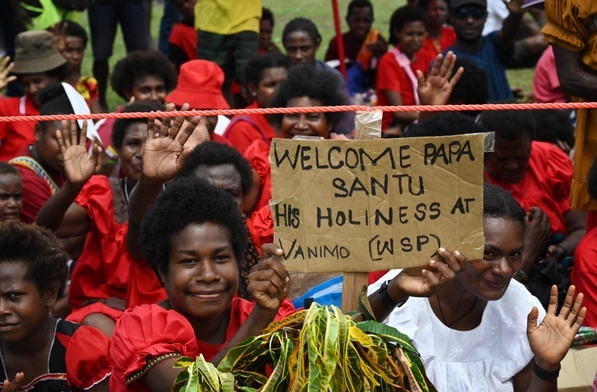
(96, 208)
(301, 41)
(439, 36)
(11, 192)
(37, 63)
(459, 329)
(397, 71)
(139, 77)
(40, 352)
(263, 76)
(193, 240)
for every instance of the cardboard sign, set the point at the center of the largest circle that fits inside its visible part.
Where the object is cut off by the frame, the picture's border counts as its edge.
(368, 205)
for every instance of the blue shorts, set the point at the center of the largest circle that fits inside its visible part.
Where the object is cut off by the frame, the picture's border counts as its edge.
(104, 19)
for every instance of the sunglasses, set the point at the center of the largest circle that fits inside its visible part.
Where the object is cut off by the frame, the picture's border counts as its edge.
(463, 13)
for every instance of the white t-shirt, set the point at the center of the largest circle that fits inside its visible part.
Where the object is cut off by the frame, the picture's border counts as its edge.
(496, 13)
(483, 359)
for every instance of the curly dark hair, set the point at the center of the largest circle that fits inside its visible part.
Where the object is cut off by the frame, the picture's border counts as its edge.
(214, 153)
(509, 124)
(7, 168)
(267, 14)
(140, 64)
(186, 201)
(554, 125)
(404, 15)
(53, 100)
(301, 24)
(122, 124)
(38, 248)
(498, 203)
(445, 124)
(73, 29)
(307, 81)
(472, 86)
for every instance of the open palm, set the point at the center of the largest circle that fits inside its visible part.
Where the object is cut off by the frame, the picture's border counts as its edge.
(166, 148)
(437, 87)
(78, 165)
(551, 340)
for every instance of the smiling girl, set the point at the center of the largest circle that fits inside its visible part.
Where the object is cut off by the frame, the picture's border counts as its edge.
(397, 71)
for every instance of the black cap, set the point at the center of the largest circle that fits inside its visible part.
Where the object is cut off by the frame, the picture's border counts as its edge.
(460, 3)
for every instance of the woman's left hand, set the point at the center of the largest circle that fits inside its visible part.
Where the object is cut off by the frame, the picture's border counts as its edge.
(437, 87)
(269, 282)
(78, 165)
(551, 340)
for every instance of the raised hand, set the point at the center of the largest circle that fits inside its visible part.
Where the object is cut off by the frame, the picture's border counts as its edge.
(166, 149)
(269, 282)
(418, 282)
(536, 236)
(78, 165)
(59, 35)
(436, 89)
(551, 340)
(15, 384)
(5, 68)
(515, 6)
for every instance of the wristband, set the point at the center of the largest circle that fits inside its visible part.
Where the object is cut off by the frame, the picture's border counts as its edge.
(546, 375)
(388, 303)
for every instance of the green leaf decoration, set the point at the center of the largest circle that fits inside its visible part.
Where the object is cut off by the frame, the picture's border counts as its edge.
(316, 349)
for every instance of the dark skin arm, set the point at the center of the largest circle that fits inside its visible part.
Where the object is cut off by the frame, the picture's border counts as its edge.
(536, 238)
(164, 154)
(269, 284)
(418, 282)
(550, 340)
(507, 34)
(59, 213)
(575, 78)
(575, 227)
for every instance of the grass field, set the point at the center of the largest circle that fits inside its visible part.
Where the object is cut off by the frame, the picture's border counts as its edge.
(320, 11)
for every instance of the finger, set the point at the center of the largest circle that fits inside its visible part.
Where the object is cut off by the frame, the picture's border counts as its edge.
(269, 276)
(96, 150)
(193, 123)
(152, 129)
(447, 65)
(66, 133)
(271, 250)
(61, 141)
(271, 263)
(132, 100)
(420, 77)
(575, 309)
(83, 133)
(532, 320)
(166, 121)
(256, 287)
(436, 65)
(452, 259)
(553, 301)
(73, 133)
(456, 76)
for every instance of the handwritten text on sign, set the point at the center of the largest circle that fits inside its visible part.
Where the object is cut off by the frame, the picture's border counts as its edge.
(367, 205)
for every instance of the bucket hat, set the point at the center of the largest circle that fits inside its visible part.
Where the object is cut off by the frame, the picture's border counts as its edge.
(200, 85)
(35, 53)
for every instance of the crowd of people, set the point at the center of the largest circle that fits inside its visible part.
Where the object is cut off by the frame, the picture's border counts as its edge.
(126, 244)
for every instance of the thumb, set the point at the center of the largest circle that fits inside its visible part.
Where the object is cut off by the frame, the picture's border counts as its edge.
(420, 77)
(532, 320)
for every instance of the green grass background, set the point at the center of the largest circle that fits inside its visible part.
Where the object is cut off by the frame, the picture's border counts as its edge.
(320, 11)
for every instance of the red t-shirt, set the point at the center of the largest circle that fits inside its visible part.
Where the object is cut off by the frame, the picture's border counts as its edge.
(391, 76)
(244, 129)
(36, 190)
(546, 184)
(16, 135)
(431, 48)
(185, 37)
(151, 330)
(258, 156)
(584, 275)
(143, 287)
(101, 271)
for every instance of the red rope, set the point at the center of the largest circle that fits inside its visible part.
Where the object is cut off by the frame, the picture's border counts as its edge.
(312, 109)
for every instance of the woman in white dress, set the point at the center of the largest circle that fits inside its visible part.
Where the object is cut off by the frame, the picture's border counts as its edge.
(474, 326)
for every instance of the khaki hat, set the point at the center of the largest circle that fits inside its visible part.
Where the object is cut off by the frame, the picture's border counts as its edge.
(35, 53)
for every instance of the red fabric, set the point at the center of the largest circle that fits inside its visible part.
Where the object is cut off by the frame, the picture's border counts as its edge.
(591, 220)
(258, 156)
(36, 190)
(105, 128)
(546, 83)
(241, 133)
(144, 286)
(391, 76)
(101, 272)
(546, 184)
(430, 50)
(16, 135)
(151, 330)
(584, 275)
(87, 360)
(214, 137)
(78, 315)
(261, 227)
(185, 37)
